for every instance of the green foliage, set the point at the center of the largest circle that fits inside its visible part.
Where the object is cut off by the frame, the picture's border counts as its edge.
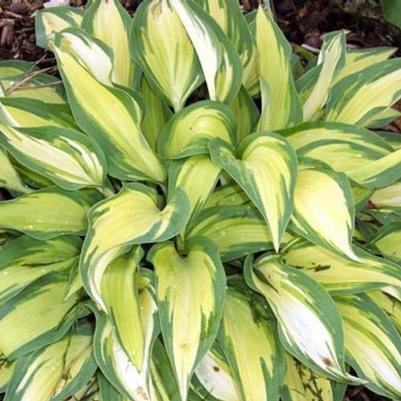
(193, 215)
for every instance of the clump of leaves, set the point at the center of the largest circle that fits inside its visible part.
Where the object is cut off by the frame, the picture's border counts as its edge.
(195, 215)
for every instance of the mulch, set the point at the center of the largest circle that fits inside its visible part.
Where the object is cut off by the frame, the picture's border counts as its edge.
(303, 21)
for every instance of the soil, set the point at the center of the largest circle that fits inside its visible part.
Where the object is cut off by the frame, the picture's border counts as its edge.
(303, 21)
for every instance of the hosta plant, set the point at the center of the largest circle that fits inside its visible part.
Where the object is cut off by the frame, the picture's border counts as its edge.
(196, 210)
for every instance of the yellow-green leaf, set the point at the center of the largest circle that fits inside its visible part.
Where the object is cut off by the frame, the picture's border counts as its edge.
(41, 86)
(387, 240)
(119, 288)
(89, 52)
(196, 176)
(136, 218)
(302, 384)
(69, 158)
(266, 169)
(117, 129)
(387, 197)
(357, 60)
(163, 49)
(360, 96)
(189, 131)
(331, 59)
(37, 316)
(282, 107)
(221, 65)
(304, 311)
(156, 114)
(340, 275)
(213, 377)
(189, 313)
(99, 17)
(51, 20)
(38, 213)
(317, 217)
(236, 230)
(55, 372)
(373, 344)
(9, 177)
(30, 112)
(111, 357)
(345, 148)
(250, 343)
(246, 114)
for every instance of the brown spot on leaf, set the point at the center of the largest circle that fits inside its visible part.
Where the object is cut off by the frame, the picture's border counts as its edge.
(216, 368)
(327, 362)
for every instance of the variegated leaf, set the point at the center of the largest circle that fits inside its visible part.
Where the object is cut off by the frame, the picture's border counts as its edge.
(249, 341)
(9, 177)
(189, 314)
(196, 176)
(99, 17)
(384, 118)
(281, 107)
(390, 305)
(345, 148)
(250, 73)
(340, 275)
(373, 344)
(387, 240)
(38, 213)
(31, 178)
(163, 49)
(89, 52)
(357, 60)
(24, 260)
(359, 97)
(42, 86)
(387, 197)
(228, 195)
(136, 219)
(228, 15)
(361, 154)
(302, 384)
(163, 383)
(30, 112)
(213, 377)
(6, 371)
(119, 289)
(266, 169)
(379, 173)
(51, 20)
(69, 158)
(116, 129)
(111, 357)
(37, 316)
(156, 114)
(56, 371)
(189, 131)
(237, 231)
(308, 322)
(246, 114)
(316, 217)
(221, 65)
(330, 62)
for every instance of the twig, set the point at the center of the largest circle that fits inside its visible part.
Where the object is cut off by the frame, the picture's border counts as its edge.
(40, 86)
(310, 48)
(27, 77)
(12, 15)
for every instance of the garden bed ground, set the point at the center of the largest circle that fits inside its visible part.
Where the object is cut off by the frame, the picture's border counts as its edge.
(303, 21)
